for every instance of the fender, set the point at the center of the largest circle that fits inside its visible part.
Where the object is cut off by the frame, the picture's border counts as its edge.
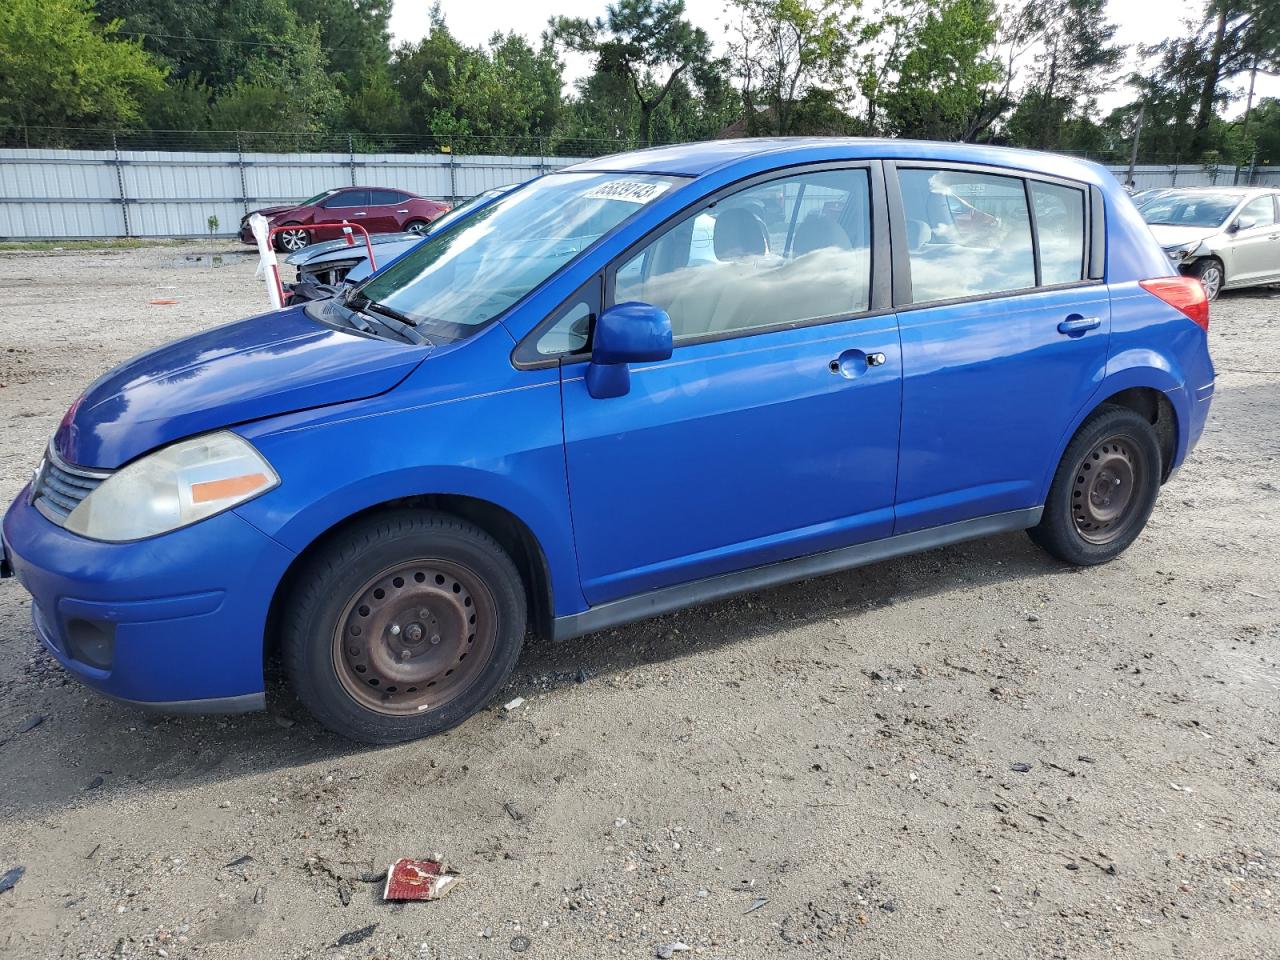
(1138, 367)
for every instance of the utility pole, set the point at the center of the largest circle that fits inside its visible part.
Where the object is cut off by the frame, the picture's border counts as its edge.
(1133, 153)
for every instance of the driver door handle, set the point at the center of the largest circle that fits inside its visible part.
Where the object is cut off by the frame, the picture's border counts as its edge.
(1076, 325)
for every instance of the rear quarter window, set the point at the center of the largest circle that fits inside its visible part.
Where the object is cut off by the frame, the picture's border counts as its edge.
(1060, 231)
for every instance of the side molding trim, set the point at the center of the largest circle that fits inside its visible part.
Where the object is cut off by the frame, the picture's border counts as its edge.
(615, 613)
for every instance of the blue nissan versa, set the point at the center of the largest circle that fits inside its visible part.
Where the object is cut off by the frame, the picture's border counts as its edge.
(643, 382)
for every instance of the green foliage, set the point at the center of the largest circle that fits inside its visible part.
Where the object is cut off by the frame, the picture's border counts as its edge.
(789, 56)
(1076, 62)
(941, 62)
(639, 41)
(60, 67)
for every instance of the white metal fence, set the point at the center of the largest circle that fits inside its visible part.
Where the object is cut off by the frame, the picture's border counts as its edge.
(70, 194)
(75, 194)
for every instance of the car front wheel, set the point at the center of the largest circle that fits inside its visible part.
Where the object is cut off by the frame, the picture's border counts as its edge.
(291, 241)
(1104, 489)
(404, 625)
(1211, 277)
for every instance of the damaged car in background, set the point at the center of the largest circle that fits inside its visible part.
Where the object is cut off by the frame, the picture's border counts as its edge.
(324, 268)
(1228, 237)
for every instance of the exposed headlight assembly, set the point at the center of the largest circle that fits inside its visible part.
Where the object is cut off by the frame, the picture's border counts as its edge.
(173, 487)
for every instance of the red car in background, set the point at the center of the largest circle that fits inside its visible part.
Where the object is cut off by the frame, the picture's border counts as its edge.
(377, 209)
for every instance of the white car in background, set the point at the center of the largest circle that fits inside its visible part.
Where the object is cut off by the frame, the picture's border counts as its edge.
(1229, 237)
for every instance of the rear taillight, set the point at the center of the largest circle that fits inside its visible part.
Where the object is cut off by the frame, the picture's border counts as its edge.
(1182, 293)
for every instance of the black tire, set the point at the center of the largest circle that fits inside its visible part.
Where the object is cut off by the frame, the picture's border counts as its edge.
(1104, 489)
(292, 241)
(327, 602)
(1212, 276)
(417, 226)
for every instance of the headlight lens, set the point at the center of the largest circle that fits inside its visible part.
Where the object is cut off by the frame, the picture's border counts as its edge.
(173, 487)
(1178, 253)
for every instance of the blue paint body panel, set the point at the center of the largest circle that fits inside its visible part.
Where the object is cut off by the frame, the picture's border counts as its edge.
(730, 454)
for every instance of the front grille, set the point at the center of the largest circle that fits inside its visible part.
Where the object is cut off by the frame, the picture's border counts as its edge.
(59, 487)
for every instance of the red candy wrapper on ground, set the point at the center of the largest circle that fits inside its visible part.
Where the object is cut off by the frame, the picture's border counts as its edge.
(409, 879)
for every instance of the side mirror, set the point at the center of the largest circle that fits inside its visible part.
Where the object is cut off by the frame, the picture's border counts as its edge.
(631, 332)
(1242, 224)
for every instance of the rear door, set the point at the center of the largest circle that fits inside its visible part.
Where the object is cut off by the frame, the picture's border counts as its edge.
(772, 431)
(387, 211)
(1004, 334)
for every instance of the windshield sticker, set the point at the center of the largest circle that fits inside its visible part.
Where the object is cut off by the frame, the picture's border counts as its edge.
(628, 191)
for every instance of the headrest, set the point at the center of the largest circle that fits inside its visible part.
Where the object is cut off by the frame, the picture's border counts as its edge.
(739, 233)
(918, 234)
(817, 232)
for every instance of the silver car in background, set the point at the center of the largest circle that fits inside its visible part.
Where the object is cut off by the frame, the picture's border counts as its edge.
(1227, 236)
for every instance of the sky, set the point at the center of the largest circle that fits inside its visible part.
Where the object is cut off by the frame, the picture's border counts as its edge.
(474, 21)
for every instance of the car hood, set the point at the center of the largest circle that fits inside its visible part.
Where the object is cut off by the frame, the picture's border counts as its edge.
(270, 212)
(264, 366)
(339, 249)
(1169, 236)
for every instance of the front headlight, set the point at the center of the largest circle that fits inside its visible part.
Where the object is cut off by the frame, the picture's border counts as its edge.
(173, 487)
(1178, 253)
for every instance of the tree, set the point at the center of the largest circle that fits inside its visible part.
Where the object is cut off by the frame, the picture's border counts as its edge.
(59, 67)
(787, 51)
(1076, 59)
(942, 62)
(1235, 36)
(639, 40)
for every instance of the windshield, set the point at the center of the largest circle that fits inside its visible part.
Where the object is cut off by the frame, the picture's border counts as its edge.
(464, 276)
(1189, 209)
(316, 199)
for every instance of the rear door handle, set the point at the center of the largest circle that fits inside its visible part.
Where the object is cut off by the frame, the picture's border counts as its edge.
(362, 213)
(1075, 325)
(402, 211)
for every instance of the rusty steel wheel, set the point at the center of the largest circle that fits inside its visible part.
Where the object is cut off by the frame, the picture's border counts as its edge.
(402, 624)
(1104, 495)
(1104, 488)
(415, 636)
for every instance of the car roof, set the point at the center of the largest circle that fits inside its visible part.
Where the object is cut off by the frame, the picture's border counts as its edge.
(696, 159)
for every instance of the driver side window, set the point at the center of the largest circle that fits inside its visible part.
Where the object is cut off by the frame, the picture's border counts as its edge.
(783, 252)
(1259, 212)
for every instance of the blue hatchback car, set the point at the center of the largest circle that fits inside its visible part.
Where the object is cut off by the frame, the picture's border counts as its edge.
(643, 382)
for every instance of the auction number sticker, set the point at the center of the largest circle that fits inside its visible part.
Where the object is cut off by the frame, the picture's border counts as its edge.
(628, 191)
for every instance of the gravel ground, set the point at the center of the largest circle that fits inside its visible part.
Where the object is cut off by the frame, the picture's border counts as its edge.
(973, 752)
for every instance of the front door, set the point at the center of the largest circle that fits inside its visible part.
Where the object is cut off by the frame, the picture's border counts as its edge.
(1004, 339)
(351, 206)
(772, 431)
(1255, 247)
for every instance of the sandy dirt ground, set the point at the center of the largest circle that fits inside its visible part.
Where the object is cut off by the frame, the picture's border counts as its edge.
(973, 752)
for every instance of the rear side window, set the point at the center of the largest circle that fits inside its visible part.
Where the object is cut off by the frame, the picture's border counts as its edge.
(385, 198)
(783, 252)
(968, 234)
(1059, 231)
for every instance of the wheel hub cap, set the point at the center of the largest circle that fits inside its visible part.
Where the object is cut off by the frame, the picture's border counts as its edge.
(415, 636)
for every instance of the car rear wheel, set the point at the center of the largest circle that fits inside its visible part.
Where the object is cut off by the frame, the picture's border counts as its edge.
(291, 241)
(1104, 490)
(1211, 277)
(403, 626)
(417, 226)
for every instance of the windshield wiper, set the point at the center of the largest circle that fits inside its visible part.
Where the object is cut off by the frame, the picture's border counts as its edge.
(363, 309)
(384, 310)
